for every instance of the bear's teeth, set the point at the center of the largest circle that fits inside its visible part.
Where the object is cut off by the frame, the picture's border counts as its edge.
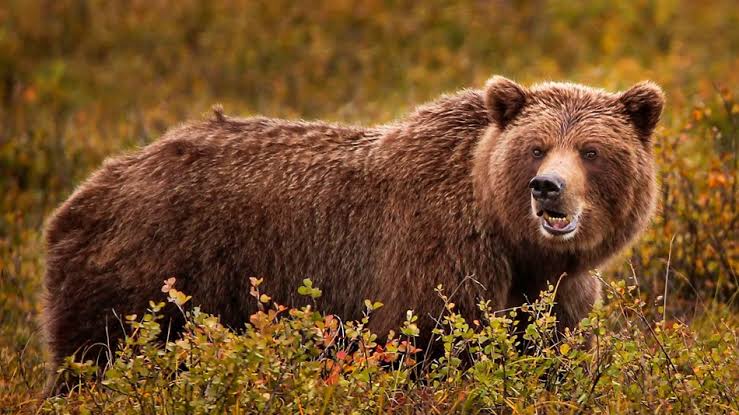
(558, 222)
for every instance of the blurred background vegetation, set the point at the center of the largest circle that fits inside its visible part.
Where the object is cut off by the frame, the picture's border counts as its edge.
(83, 80)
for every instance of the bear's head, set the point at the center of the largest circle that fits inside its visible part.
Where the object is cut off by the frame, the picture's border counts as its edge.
(568, 167)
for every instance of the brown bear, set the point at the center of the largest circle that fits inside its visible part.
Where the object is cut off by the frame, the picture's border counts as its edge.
(511, 186)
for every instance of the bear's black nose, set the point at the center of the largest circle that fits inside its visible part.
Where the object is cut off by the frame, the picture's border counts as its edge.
(546, 187)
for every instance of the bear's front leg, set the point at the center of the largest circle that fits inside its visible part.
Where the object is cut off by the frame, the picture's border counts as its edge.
(575, 298)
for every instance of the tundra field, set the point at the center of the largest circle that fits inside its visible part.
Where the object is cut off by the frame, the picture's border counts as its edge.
(84, 80)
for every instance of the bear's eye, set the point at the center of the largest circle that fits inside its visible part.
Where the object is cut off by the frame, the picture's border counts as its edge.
(537, 153)
(590, 154)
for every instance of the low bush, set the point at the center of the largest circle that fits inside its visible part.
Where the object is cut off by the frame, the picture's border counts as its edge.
(624, 357)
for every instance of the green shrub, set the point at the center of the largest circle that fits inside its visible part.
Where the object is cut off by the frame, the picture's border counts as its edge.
(302, 361)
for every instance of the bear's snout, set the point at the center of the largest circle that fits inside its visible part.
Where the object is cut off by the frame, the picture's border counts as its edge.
(546, 187)
(557, 211)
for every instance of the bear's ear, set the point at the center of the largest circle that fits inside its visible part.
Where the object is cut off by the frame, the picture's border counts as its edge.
(504, 99)
(643, 103)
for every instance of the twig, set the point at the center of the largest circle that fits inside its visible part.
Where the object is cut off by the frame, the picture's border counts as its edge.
(441, 314)
(667, 274)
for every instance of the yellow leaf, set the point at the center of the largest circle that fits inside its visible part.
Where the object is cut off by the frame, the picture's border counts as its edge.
(564, 349)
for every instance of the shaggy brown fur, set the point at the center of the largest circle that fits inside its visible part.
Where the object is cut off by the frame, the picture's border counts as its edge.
(384, 213)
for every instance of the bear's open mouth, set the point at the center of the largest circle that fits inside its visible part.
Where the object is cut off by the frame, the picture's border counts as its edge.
(557, 223)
